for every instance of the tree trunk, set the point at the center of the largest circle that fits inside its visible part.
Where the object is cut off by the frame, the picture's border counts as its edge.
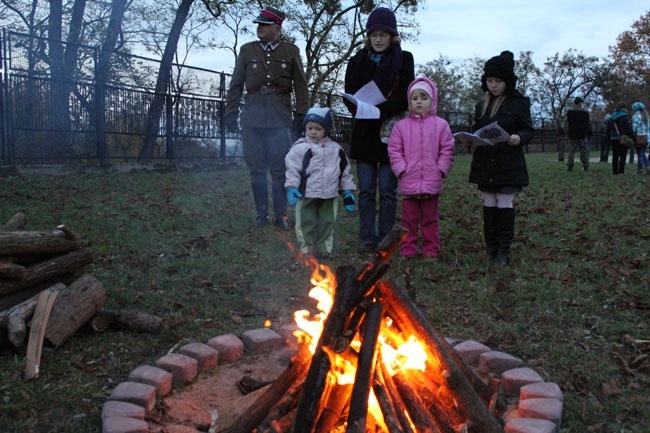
(164, 76)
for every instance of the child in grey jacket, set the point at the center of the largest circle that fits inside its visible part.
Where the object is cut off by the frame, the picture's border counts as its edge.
(317, 171)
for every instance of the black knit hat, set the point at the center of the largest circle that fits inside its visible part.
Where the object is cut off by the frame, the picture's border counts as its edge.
(502, 67)
(382, 19)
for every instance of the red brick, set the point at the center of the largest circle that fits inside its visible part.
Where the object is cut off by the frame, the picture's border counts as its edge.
(206, 357)
(541, 390)
(470, 351)
(118, 424)
(137, 393)
(122, 409)
(229, 346)
(543, 408)
(154, 376)
(529, 425)
(182, 367)
(497, 362)
(287, 333)
(261, 340)
(513, 380)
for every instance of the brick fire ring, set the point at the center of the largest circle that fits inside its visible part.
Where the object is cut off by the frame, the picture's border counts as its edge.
(534, 405)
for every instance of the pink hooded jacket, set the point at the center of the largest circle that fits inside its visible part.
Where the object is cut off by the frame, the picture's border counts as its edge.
(421, 149)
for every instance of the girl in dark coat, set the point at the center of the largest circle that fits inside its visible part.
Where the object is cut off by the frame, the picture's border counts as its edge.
(619, 152)
(500, 170)
(383, 61)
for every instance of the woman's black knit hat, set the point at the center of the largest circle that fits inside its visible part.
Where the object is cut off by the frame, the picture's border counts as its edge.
(502, 67)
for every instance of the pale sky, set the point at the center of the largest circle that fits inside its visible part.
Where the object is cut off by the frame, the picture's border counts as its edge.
(462, 29)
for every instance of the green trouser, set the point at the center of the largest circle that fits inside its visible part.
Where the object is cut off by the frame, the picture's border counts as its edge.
(315, 218)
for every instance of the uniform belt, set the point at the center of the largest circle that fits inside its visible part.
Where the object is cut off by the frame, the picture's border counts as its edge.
(267, 90)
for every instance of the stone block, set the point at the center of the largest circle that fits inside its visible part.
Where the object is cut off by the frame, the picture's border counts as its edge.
(154, 376)
(496, 362)
(122, 409)
(229, 346)
(182, 367)
(206, 357)
(470, 351)
(286, 331)
(512, 380)
(541, 390)
(137, 393)
(529, 425)
(549, 409)
(261, 340)
(118, 424)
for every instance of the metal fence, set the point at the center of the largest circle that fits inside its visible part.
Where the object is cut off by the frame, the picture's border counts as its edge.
(51, 121)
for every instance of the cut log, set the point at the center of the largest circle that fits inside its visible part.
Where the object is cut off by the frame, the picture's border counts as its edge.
(75, 306)
(16, 222)
(15, 298)
(44, 306)
(11, 271)
(15, 318)
(37, 242)
(128, 320)
(49, 269)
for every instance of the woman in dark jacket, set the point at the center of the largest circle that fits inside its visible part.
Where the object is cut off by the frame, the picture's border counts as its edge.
(619, 152)
(500, 170)
(382, 61)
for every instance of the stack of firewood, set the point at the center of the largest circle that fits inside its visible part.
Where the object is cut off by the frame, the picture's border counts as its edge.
(38, 263)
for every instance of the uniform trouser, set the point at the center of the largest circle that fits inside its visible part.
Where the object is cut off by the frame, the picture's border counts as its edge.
(422, 214)
(582, 146)
(315, 218)
(264, 152)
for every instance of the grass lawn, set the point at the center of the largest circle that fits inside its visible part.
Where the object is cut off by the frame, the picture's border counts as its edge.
(573, 304)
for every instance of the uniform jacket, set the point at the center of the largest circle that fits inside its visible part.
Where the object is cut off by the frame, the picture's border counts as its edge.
(421, 150)
(622, 121)
(268, 97)
(318, 170)
(365, 143)
(502, 164)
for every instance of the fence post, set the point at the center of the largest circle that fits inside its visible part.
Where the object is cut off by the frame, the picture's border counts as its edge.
(169, 114)
(222, 112)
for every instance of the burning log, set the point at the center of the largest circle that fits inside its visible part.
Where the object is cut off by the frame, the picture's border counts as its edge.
(409, 318)
(389, 401)
(365, 370)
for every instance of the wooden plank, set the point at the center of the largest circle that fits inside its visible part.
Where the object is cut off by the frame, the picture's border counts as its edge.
(44, 306)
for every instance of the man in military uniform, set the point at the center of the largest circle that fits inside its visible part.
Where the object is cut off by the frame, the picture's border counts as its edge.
(270, 70)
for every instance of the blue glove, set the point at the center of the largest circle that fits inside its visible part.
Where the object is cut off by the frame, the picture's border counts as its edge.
(349, 201)
(292, 196)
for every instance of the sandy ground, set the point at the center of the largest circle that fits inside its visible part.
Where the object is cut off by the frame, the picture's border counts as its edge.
(190, 408)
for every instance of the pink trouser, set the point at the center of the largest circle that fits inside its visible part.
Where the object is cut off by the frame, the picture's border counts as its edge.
(421, 214)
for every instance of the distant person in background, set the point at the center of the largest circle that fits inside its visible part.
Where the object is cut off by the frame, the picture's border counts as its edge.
(500, 170)
(560, 137)
(641, 126)
(618, 124)
(577, 120)
(270, 70)
(380, 60)
(604, 140)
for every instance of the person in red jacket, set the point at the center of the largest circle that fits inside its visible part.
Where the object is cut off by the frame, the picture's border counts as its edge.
(421, 151)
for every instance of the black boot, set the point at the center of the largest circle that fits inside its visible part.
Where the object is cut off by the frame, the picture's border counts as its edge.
(261, 197)
(279, 203)
(490, 231)
(505, 233)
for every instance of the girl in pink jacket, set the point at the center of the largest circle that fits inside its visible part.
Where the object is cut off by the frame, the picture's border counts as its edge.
(421, 150)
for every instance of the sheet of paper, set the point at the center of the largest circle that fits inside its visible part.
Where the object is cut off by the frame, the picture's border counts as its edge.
(365, 99)
(488, 135)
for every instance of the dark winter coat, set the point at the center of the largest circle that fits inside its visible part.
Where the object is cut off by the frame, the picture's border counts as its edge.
(365, 143)
(622, 121)
(503, 165)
